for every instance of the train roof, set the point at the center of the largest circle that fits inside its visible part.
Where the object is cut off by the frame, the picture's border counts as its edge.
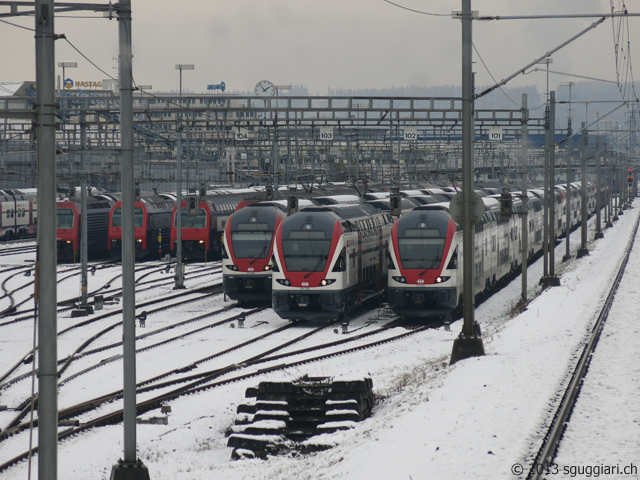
(94, 202)
(343, 211)
(333, 199)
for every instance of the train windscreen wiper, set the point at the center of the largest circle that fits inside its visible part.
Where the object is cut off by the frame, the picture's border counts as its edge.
(434, 264)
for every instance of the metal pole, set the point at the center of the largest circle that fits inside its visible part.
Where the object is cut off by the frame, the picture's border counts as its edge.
(128, 258)
(179, 277)
(567, 254)
(46, 291)
(552, 180)
(469, 342)
(582, 251)
(83, 198)
(130, 468)
(545, 216)
(525, 198)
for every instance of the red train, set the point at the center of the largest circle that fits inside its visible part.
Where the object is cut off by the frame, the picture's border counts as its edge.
(204, 217)
(152, 226)
(68, 214)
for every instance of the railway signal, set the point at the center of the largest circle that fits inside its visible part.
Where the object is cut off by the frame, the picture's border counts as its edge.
(506, 203)
(395, 202)
(192, 206)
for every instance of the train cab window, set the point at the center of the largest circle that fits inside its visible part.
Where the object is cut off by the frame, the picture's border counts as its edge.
(306, 251)
(64, 218)
(421, 248)
(199, 220)
(116, 218)
(341, 262)
(306, 242)
(453, 263)
(251, 239)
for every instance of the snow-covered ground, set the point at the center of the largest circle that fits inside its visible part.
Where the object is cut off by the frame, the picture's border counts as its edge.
(479, 418)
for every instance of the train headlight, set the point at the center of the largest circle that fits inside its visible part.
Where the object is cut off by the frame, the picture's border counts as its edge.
(442, 279)
(139, 240)
(400, 279)
(201, 242)
(327, 281)
(267, 268)
(284, 282)
(233, 268)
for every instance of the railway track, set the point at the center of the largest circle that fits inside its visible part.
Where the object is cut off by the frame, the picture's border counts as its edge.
(105, 289)
(7, 251)
(547, 452)
(184, 382)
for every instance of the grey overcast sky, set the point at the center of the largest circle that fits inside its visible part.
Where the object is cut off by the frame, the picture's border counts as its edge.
(327, 43)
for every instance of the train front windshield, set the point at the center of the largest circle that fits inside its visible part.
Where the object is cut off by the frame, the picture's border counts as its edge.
(306, 242)
(421, 239)
(64, 218)
(199, 220)
(252, 232)
(251, 240)
(116, 218)
(306, 251)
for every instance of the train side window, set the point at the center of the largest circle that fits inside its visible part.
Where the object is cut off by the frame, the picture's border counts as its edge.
(341, 264)
(453, 263)
(493, 243)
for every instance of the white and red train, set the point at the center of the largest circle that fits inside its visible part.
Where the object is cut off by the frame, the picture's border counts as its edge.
(425, 268)
(18, 214)
(329, 260)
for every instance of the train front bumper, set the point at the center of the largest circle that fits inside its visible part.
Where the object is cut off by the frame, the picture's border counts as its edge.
(247, 288)
(297, 305)
(422, 302)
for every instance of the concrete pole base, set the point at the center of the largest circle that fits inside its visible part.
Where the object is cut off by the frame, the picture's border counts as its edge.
(129, 471)
(550, 281)
(582, 252)
(466, 346)
(599, 235)
(566, 258)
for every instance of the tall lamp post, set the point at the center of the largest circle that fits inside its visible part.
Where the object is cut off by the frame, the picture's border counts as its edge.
(181, 67)
(64, 66)
(548, 198)
(179, 276)
(567, 254)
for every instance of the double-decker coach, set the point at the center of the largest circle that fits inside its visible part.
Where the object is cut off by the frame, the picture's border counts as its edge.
(329, 260)
(18, 214)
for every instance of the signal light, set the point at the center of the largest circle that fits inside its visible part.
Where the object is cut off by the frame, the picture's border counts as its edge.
(395, 205)
(192, 207)
(292, 204)
(506, 204)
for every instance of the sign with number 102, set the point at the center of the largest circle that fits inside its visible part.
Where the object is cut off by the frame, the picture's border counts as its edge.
(410, 133)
